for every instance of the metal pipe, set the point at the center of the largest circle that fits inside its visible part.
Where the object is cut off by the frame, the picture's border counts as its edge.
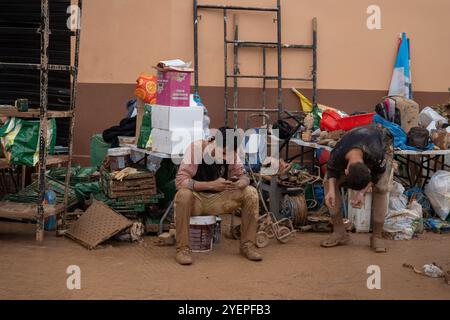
(264, 91)
(279, 52)
(268, 77)
(225, 54)
(269, 44)
(235, 72)
(44, 31)
(314, 71)
(62, 224)
(252, 110)
(195, 47)
(225, 7)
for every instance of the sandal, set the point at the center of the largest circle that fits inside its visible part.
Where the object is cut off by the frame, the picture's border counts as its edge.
(335, 240)
(377, 244)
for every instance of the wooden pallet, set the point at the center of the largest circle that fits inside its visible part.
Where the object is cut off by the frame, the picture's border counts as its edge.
(142, 183)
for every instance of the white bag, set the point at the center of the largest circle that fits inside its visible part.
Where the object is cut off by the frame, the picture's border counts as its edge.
(404, 223)
(438, 192)
(428, 115)
(397, 199)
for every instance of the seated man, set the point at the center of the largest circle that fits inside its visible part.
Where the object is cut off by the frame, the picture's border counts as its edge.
(214, 185)
(361, 160)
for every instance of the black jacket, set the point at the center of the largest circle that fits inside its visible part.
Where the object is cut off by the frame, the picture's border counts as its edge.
(371, 140)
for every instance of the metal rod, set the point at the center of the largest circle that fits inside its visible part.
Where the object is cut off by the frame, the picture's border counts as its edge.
(62, 224)
(44, 31)
(225, 55)
(235, 72)
(225, 7)
(195, 47)
(279, 52)
(252, 110)
(268, 44)
(314, 71)
(264, 91)
(269, 77)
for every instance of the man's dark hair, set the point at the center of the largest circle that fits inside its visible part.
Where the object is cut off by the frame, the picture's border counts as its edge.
(227, 143)
(358, 176)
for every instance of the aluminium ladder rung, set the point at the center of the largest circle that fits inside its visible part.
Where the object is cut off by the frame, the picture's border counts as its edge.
(268, 44)
(225, 7)
(267, 77)
(252, 110)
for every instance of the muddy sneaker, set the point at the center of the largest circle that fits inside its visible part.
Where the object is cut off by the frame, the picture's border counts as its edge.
(248, 250)
(183, 256)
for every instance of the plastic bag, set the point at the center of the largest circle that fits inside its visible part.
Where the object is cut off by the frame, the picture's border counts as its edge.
(146, 88)
(403, 224)
(397, 199)
(438, 192)
(20, 138)
(145, 140)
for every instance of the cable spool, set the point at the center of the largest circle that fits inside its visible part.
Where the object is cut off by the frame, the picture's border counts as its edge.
(296, 209)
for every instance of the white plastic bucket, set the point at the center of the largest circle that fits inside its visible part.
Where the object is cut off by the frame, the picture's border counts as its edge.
(201, 232)
(360, 217)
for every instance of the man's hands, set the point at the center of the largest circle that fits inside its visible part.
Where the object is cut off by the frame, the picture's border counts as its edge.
(221, 185)
(358, 196)
(330, 198)
(357, 199)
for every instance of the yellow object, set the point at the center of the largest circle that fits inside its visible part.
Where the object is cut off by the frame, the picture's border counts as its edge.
(306, 104)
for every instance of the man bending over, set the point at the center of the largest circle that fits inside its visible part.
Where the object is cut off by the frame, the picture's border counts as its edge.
(362, 160)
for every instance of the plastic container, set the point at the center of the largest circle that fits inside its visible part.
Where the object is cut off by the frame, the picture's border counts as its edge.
(350, 122)
(50, 222)
(332, 121)
(119, 158)
(360, 217)
(201, 233)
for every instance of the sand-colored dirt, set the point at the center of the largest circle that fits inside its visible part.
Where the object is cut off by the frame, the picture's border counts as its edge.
(297, 270)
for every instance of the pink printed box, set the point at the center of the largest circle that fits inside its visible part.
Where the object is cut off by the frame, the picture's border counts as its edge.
(174, 84)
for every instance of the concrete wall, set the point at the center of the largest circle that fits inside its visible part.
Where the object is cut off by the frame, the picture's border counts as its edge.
(121, 38)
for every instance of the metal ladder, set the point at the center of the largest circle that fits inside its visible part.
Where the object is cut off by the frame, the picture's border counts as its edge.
(264, 45)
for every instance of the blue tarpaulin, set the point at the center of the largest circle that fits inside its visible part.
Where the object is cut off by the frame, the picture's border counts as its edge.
(400, 137)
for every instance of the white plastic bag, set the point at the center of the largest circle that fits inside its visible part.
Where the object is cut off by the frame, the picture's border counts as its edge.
(428, 115)
(404, 223)
(438, 192)
(397, 200)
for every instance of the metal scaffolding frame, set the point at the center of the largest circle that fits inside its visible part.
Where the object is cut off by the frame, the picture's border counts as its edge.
(44, 114)
(264, 45)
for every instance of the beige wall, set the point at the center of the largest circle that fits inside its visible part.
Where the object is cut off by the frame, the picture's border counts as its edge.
(121, 38)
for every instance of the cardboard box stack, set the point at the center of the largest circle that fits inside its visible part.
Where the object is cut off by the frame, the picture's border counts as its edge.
(175, 121)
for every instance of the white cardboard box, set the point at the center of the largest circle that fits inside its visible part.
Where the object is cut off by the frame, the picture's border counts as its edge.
(171, 118)
(174, 141)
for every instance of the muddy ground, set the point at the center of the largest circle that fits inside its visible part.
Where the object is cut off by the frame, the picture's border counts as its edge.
(297, 270)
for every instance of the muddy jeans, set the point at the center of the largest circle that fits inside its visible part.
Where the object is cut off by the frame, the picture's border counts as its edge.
(189, 203)
(380, 198)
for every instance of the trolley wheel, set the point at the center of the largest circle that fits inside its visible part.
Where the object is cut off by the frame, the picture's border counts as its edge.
(236, 232)
(269, 231)
(262, 239)
(282, 235)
